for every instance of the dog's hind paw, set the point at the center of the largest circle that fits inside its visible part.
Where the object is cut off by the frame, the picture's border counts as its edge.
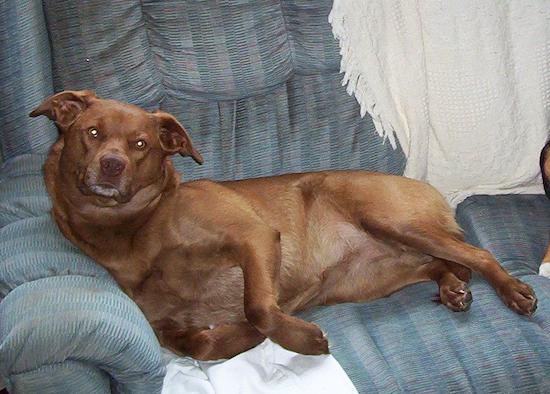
(519, 297)
(457, 298)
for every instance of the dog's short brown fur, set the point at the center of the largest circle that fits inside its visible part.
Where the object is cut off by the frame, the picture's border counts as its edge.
(218, 266)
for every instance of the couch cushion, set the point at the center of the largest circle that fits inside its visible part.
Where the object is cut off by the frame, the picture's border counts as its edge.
(407, 344)
(514, 228)
(219, 50)
(103, 45)
(25, 78)
(309, 124)
(86, 321)
(31, 245)
(314, 48)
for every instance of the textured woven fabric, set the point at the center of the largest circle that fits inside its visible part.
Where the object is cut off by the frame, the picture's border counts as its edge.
(103, 45)
(513, 227)
(66, 377)
(219, 50)
(407, 344)
(314, 49)
(461, 85)
(25, 78)
(308, 125)
(22, 190)
(234, 50)
(77, 318)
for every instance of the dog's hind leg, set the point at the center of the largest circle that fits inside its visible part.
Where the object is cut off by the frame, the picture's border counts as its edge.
(432, 238)
(416, 215)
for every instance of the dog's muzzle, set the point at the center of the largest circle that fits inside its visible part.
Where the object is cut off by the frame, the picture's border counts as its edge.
(107, 179)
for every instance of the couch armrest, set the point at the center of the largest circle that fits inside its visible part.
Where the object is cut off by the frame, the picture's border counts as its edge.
(65, 325)
(75, 334)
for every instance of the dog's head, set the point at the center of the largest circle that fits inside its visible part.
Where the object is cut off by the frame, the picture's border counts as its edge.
(112, 149)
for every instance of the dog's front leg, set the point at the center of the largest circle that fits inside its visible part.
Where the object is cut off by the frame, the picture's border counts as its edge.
(261, 255)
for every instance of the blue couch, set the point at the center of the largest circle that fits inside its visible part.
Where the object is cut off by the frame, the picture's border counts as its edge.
(257, 84)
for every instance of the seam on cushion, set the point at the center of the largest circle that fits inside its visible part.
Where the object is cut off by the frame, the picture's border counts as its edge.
(101, 363)
(289, 39)
(20, 219)
(145, 24)
(55, 276)
(68, 360)
(108, 279)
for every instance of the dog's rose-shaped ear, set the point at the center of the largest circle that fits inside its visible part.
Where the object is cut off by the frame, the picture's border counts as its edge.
(65, 107)
(174, 138)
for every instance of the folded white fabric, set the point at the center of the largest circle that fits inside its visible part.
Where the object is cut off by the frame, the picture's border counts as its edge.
(266, 369)
(463, 85)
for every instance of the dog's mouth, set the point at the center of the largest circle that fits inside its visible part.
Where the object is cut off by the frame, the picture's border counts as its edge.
(106, 191)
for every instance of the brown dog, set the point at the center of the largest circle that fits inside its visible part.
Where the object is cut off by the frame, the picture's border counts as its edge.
(218, 266)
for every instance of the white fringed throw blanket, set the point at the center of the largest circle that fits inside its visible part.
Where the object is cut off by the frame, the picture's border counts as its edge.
(464, 86)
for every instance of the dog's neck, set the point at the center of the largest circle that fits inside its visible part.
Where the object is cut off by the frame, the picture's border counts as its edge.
(89, 225)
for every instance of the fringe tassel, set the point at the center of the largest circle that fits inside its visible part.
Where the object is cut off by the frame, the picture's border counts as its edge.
(356, 83)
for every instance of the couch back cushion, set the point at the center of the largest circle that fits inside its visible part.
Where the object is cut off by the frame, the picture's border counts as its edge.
(255, 82)
(103, 45)
(219, 50)
(25, 78)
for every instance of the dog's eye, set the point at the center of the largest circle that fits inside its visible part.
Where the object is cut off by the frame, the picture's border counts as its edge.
(93, 132)
(141, 144)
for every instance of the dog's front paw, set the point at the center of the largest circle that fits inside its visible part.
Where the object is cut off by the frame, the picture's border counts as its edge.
(519, 297)
(309, 339)
(301, 337)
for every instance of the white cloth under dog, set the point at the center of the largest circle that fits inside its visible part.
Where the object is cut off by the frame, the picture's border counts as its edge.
(266, 369)
(463, 85)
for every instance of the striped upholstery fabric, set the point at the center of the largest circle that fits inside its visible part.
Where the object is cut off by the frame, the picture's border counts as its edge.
(408, 344)
(513, 227)
(303, 126)
(25, 78)
(256, 83)
(103, 45)
(313, 46)
(219, 50)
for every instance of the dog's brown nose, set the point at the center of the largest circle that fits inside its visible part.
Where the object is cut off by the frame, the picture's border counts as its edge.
(111, 165)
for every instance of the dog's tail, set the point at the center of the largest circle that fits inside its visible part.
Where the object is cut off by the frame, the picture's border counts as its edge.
(545, 168)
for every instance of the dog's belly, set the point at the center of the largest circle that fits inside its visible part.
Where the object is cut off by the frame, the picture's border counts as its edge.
(346, 264)
(193, 300)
